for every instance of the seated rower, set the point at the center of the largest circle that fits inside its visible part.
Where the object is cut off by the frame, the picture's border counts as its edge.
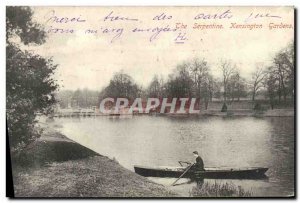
(198, 165)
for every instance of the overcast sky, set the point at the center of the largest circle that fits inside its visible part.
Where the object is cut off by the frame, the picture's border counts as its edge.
(89, 61)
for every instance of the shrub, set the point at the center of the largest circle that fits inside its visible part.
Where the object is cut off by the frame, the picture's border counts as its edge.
(224, 108)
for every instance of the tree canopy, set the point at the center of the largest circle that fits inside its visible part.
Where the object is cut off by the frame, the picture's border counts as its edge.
(30, 85)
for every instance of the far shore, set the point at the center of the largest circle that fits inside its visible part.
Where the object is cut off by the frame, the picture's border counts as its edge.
(210, 112)
(247, 112)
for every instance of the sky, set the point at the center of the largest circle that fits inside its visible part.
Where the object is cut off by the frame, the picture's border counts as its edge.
(90, 60)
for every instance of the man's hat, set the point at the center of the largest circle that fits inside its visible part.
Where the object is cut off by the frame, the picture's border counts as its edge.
(195, 152)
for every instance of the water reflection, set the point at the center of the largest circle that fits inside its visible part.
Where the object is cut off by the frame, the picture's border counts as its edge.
(221, 142)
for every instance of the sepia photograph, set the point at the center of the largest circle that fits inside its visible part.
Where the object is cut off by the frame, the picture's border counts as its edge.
(150, 101)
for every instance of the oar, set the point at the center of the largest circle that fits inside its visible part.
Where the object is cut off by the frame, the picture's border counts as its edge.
(183, 174)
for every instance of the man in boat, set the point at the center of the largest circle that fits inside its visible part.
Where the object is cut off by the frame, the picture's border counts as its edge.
(198, 165)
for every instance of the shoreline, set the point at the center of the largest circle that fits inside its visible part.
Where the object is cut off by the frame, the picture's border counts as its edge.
(251, 113)
(209, 112)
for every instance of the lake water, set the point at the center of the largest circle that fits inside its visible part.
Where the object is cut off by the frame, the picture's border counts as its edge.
(221, 142)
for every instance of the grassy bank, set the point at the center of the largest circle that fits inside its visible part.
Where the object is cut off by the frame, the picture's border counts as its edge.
(219, 190)
(245, 108)
(55, 166)
(249, 112)
(94, 176)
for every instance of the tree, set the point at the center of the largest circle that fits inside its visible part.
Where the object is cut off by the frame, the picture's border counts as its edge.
(156, 88)
(257, 80)
(78, 99)
(200, 73)
(121, 85)
(284, 68)
(30, 86)
(64, 98)
(279, 77)
(241, 87)
(236, 87)
(271, 84)
(180, 83)
(279, 81)
(19, 24)
(228, 69)
(192, 79)
(290, 63)
(207, 90)
(216, 89)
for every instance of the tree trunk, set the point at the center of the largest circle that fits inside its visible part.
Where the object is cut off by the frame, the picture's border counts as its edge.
(253, 96)
(224, 93)
(206, 104)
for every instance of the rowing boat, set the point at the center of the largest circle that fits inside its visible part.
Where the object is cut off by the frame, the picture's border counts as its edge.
(209, 173)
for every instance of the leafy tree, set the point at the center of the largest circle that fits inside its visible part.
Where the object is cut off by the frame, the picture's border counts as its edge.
(121, 85)
(180, 83)
(30, 86)
(19, 24)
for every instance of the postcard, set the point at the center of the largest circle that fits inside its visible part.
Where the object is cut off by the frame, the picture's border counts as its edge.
(150, 102)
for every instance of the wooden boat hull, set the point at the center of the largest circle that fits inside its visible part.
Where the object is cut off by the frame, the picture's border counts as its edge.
(209, 173)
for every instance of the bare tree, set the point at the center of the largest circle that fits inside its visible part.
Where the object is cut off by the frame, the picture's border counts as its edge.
(257, 80)
(271, 83)
(155, 88)
(228, 69)
(284, 68)
(199, 71)
(236, 87)
(207, 89)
